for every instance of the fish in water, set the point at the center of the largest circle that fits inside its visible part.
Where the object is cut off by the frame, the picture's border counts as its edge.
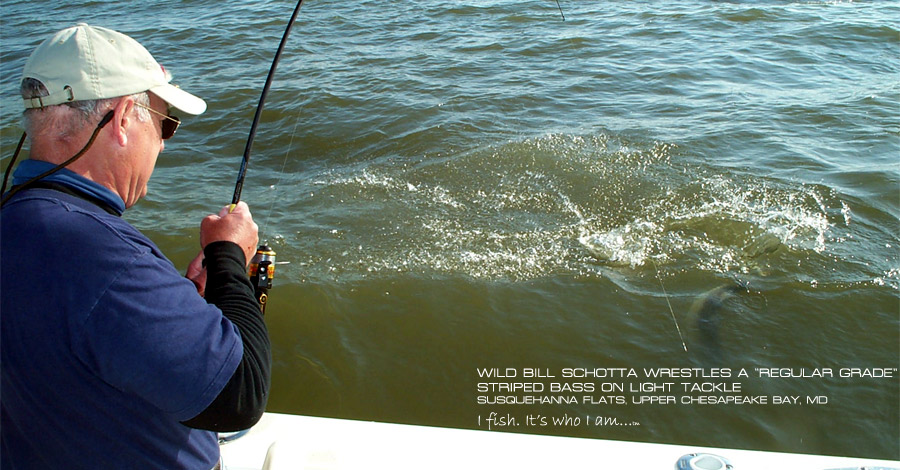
(763, 245)
(705, 316)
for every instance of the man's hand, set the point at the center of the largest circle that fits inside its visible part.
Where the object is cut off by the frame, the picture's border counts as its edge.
(236, 226)
(196, 272)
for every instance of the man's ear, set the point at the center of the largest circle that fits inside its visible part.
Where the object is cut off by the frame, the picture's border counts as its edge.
(123, 119)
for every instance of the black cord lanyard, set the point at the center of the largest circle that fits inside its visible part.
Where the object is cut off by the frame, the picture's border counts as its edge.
(103, 122)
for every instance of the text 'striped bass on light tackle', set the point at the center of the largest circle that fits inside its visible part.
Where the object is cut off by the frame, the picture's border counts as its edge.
(262, 266)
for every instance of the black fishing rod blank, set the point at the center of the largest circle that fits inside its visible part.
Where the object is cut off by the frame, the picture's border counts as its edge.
(262, 266)
(239, 185)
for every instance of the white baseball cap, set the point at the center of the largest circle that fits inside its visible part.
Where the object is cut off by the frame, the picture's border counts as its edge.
(91, 63)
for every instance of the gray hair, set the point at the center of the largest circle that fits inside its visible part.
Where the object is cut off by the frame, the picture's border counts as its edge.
(67, 119)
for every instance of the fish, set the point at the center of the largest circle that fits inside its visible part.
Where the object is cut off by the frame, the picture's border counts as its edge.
(762, 245)
(705, 317)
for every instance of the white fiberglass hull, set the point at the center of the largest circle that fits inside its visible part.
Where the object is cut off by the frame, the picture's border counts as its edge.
(301, 442)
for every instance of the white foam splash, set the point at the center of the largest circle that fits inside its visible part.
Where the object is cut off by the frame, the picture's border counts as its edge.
(526, 209)
(627, 245)
(720, 230)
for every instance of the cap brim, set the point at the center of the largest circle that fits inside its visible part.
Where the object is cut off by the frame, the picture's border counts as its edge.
(180, 99)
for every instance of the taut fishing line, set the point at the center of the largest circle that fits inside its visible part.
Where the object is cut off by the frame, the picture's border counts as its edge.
(277, 185)
(671, 310)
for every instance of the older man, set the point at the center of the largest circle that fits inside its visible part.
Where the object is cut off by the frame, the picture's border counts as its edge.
(110, 357)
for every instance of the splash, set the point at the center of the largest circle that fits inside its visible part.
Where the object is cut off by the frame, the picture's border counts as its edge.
(631, 244)
(561, 204)
(719, 224)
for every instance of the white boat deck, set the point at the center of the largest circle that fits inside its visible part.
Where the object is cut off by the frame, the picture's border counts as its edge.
(301, 442)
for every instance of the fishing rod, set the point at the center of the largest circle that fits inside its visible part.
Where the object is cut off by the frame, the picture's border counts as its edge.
(262, 266)
(560, 10)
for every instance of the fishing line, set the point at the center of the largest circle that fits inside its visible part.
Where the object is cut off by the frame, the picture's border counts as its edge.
(671, 310)
(280, 176)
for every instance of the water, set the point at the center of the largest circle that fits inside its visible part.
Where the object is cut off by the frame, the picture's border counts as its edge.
(472, 185)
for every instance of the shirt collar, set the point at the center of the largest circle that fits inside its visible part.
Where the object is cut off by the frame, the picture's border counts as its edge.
(28, 169)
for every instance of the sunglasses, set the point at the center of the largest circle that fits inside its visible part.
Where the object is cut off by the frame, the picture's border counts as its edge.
(169, 124)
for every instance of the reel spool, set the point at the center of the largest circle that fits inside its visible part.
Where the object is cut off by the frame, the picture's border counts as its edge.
(262, 271)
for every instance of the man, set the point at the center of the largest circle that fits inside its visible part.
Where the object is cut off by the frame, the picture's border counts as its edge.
(110, 357)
